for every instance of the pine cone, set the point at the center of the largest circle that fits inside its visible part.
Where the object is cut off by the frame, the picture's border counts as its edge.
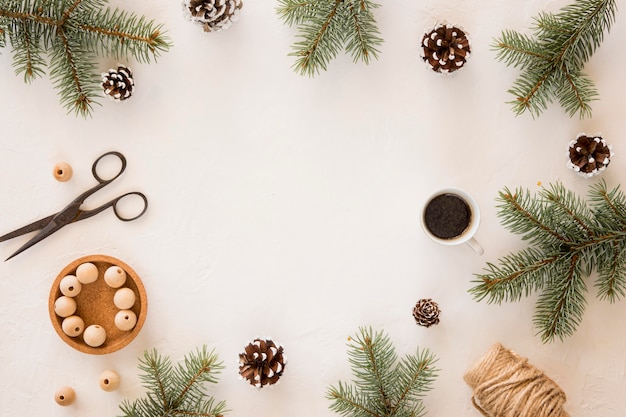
(589, 155)
(445, 49)
(426, 312)
(118, 83)
(262, 363)
(213, 15)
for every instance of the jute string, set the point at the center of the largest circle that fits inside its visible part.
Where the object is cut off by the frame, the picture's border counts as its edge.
(505, 385)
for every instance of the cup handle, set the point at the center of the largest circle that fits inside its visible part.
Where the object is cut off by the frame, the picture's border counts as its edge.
(473, 243)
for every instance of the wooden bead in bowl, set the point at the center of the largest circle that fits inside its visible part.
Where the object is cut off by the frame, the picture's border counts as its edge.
(62, 171)
(124, 298)
(64, 306)
(109, 380)
(65, 396)
(125, 320)
(70, 286)
(115, 276)
(94, 335)
(86, 273)
(73, 326)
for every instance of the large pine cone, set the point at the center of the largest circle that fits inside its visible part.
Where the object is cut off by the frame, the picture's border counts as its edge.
(118, 83)
(262, 363)
(426, 312)
(589, 155)
(213, 15)
(445, 49)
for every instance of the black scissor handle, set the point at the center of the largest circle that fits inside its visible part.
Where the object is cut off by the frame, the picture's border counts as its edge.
(94, 167)
(113, 203)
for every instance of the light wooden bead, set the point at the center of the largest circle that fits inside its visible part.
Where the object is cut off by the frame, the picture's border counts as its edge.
(87, 273)
(70, 286)
(109, 380)
(115, 276)
(125, 320)
(62, 171)
(73, 326)
(64, 306)
(94, 335)
(65, 396)
(124, 298)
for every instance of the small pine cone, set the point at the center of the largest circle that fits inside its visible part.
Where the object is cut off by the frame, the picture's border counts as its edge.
(426, 312)
(262, 363)
(118, 83)
(213, 15)
(589, 155)
(445, 49)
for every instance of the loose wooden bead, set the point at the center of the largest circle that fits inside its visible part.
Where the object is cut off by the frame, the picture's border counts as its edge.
(94, 335)
(87, 273)
(125, 320)
(73, 326)
(64, 306)
(109, 380)
(70, 286)
(124, 298)
(115, 276)
(62, 171)
(65, 396)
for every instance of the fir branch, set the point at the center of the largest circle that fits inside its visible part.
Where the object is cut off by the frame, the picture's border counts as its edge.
(383, 387)
(328, 26)
(553, 59)
(71, 32)
(569, 238)
(177, 391)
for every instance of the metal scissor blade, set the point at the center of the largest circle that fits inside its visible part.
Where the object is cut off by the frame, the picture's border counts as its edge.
(43, 233)
(38, 225)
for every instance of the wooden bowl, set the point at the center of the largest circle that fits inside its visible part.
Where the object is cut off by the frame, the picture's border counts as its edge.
(94, 304)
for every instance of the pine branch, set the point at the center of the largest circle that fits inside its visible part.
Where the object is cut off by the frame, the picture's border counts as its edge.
(328, 26)
(383, 387)
(553, 59)
(178, 391)
(71, 33)
(569, 238)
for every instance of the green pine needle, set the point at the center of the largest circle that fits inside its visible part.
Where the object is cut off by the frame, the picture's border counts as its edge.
(382, 386)
(552, 60)
(70, 33)
(326, 27)
(569, 238)
(177, 390)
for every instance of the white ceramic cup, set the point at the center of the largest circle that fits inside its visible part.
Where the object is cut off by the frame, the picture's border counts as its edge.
(467, 235)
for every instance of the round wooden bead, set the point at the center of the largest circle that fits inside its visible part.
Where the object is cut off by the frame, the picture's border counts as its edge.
(115, 276)
(125, 320)
(65, 396)
(124, 298)
(70, 286)
(109, 380)
(94, 335)
(65, 306)
(87, 273)
(62, 171)
(73, 326)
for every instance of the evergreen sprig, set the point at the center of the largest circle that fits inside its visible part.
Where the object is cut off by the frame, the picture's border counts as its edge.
(328, 26)
(552, 60)
(383, 387)
(177, 390)
(569, 238)
(70, 33)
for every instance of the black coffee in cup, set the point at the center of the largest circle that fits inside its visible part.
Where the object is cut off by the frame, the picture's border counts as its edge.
(447, 216)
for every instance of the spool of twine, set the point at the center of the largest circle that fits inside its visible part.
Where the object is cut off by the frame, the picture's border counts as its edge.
(504, 384)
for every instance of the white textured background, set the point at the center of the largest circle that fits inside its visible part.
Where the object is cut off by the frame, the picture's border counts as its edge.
(289, 207)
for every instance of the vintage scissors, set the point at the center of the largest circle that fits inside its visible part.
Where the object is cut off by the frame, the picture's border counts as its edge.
(73, 213)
